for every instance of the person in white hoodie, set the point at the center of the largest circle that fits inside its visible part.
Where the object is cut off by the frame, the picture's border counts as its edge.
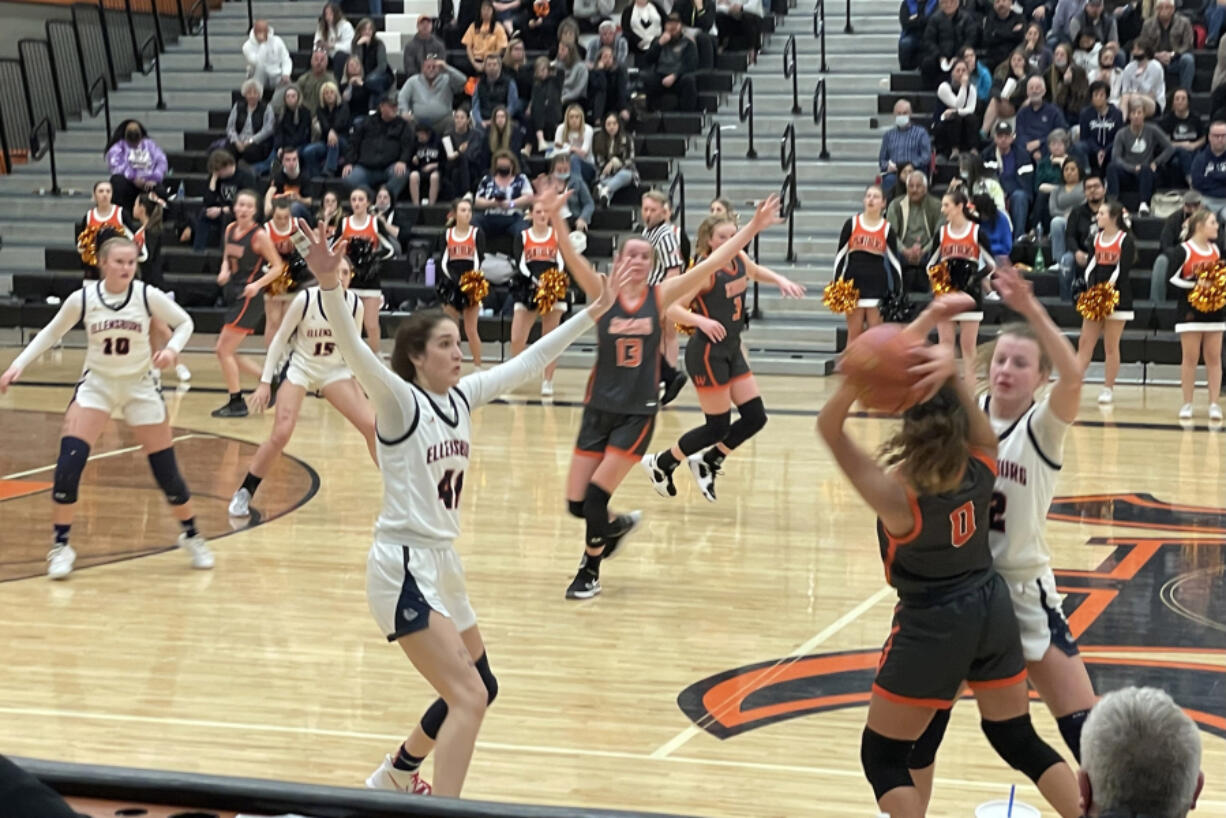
(268, 61)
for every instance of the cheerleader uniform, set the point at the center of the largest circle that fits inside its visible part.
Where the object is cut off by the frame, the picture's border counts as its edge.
(969, 257)
(299, 274)
(1110, 264)
(866, 257)
(461, 254)
(1188, 263)
(535, 257)
(365, 283)
(113, 222)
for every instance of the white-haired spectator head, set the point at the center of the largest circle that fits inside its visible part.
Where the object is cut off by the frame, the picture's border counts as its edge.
(1140, 756)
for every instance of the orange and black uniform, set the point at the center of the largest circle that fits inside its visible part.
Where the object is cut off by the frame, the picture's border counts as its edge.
(534, 256)
(712, 363)
(868, 257)
(284, 245)
(954, 620)
(1188, 263)
(365, 281)
(460, 255)
(244, 314)
(968, 256)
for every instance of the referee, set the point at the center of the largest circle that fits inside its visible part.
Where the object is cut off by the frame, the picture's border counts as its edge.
(667, 262)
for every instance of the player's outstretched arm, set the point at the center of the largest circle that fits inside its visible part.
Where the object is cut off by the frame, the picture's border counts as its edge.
(578, 266)
(757, 272)
(64, 320)
(941, 308)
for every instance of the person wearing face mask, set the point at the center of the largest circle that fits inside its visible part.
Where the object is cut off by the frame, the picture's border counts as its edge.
(1143, 80)
(901, 145)
(502, 196)
(1108, 73)
(136, 163)
(578, 209)
(1037, 119)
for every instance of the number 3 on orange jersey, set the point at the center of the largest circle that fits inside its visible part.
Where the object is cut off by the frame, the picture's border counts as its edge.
(630, 352)
(962, 524)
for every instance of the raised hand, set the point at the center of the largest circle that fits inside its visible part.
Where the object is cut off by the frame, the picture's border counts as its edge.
(552, 200)
(1015, 291)
(322, 261)
(767, 213)
(611, 286)
(9, 377)
(934, 365)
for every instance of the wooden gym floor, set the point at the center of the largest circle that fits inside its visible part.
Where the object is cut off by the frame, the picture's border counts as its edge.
(722, 672)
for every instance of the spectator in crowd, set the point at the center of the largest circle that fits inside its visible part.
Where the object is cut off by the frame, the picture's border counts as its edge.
(613, 152)
(293, 128)
(354, 91)
(1002, 31)
(384, 211)
(541, 31)
(421, 45)
(1008, 90)
(268, 61)
(1171, 237)
(330, 215)
(1079, 232)
(1049, 173)
(977, 176)
(137, 164)
(642, 23)
(505, 12)
(740, 26)
(574, 75)
(903, 144)
(1034, 48)
(225, 181)
(380, 149)
(608, 35)
(947, 30)
(913, 17)
(608, 87)
(698, 23)
(369, 50)
(1209, 169)
(461, 145)
(1186, 131)
(494, 89)
(1168, 36)
(1086, 52)
(669, 67)
(311, 80)
(1064, 13)
(957, 129)
(335, 34)
(291, 183)
(484, 38)
(334, 125)
(995, 224)
(1097, 126)
(429, 97)
(249, 129)
(1109, 74)
(1068, 194)
(592, 11)
(516, 66)
(1067, 82)
(1140, 754)
(1037, 119)
(981, 78)
(1143, 80)
(578, 209)
(915, 218)
(1219, 71)
(1139, 150)
(501, 134)
(545, 106)
(502, 196)
(1015, 170)
(899, 188)
(1093, 18)
(425, 164)
(574, 137)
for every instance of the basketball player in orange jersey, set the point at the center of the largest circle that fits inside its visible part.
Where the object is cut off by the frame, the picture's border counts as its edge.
(1198, 331)
(716, 363)
(536, 250)
(868, 257)
(104, 214)
(362, 226)
(965, 249)
(281, 229)
(623, 390)
(954, 621)
(463, 251)
(247, 250)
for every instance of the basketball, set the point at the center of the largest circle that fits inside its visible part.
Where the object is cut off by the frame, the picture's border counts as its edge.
(878, 363)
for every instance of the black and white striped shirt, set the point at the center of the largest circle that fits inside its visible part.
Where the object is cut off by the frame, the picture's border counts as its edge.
(667, 250)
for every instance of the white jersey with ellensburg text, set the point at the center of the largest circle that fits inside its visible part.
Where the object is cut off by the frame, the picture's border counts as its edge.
(117, 326)
(313, 337)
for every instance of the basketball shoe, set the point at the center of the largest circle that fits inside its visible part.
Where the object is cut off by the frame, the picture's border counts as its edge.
(621, 527)
(704, 475)
(198, 550)
(240, 503)
(60, 560)
(387, 777)
(585, 585)
(661, 480)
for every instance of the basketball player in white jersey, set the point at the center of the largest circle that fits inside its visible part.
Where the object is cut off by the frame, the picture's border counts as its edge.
(1031, 430)
(414, 580)
(315, 365)
(118, 377)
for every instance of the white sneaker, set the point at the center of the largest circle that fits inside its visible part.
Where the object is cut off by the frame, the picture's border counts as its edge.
(1215, 413)
(387, 777)
(1143, 210)
(240, 503)
(1185, 412)
(1105, 397)
(704, 475)
(198, 549)
(992, 296)
(183, 373)
(59, 561)
(546, 389)
(661, 480)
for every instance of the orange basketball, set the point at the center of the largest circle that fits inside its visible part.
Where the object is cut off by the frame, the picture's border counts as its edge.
(878, 364)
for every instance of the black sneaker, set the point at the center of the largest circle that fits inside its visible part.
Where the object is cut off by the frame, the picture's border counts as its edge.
(622, 527)
(661, 480)
(704, 475)
(673, 388)
(585, 585)
(232, 409)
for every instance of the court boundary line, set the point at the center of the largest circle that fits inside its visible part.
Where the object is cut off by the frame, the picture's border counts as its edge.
(101, 456)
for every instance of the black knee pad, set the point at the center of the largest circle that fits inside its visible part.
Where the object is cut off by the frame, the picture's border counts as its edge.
(753, 415)
(1070, 728)
(487, 677)
(74, 454)
(596, 514)
(432, 719)
(166, 473)
(1015, 741)
(708, 434)
(924, 753)
(885, 762)
(575, 507)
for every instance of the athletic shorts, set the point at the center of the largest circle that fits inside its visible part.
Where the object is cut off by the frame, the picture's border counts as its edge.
(1040, 617)
(932, 649)
(245, 314)
(602, 432)
(404, 584)
(136, 397)
(714, 365)
(313, 378)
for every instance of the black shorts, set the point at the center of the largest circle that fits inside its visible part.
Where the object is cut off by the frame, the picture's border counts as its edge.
(450, 294)
(245, 314)
(714, 365)
(602, 432)
(931, 650)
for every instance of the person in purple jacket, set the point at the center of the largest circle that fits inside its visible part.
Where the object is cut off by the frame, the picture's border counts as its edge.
(136, 163)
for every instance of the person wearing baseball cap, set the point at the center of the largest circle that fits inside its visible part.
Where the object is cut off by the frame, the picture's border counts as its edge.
(379, 151)
(670, 65)
(1016, 172)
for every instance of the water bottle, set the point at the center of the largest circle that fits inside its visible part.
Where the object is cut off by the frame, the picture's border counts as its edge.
(1039, 264)
(182, 192)
(429, 272)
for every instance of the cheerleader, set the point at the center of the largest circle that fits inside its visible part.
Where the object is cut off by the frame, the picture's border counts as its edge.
(104, 220)
(147, 211)
(368, 245)
(537, 251)
(464, 249)
(717, 365)
(965, 250)
(1114, 254)
(867, 255)
(119, 363)
(293, 278)
(1198, 331)
(315, 365)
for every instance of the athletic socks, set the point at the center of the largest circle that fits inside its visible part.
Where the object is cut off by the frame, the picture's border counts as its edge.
(714, 458)
(1070, 729)
(61, 533)
(236, 397)
(251, 483)
(189, 527)
(405, 761)
(666, 462)
(591, 564)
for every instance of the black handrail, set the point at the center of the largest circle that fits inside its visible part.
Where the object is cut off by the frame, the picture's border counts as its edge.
(155, 65)
(203, 7)
(790, 72)
(106, 103)
(40, 149)
(819, 113)
(127, 10)
(5, 154)
(847, 29)
(819, 30)
(182, 17)
(789, 201)
(716, 159)
(250, 16)
(745, 114)
(26, 62)
(106, 44)
(675, 201)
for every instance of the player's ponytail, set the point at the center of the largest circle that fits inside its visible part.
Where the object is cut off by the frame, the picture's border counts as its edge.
(411, 339)
(933, 445)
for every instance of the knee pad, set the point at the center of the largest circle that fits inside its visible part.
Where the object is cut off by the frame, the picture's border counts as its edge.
(487, 677)
(432, 719)
(575, 507)
(713, 431)
(885, 762)
(74, 454)
(596, 514)
(1070, 729)
(166, 473)
(924, 753)
(753, 414)
(1015, 741)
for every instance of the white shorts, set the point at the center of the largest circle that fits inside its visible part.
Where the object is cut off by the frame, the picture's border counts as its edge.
(404, 584)
(1040, 617)
(135, 396)
(314, 378)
